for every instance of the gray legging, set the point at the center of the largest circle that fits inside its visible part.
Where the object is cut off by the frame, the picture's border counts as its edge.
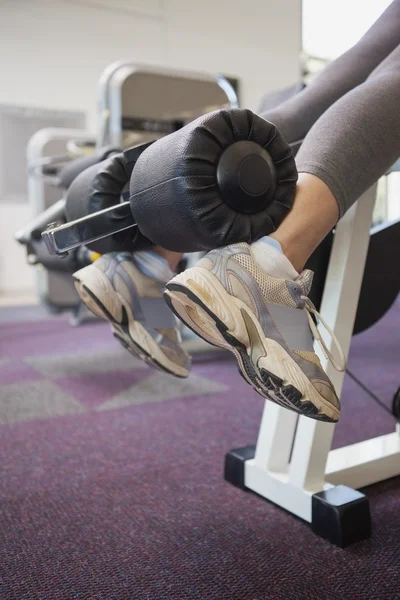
(350, 114)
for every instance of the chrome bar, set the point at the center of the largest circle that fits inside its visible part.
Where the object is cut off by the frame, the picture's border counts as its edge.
(39, 223)
(60, 239)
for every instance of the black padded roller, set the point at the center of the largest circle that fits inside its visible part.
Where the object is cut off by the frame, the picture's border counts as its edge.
(75, 167)
(99, 187)
(224, 178)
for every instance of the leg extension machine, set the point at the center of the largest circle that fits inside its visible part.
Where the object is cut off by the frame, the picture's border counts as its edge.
(292, 464)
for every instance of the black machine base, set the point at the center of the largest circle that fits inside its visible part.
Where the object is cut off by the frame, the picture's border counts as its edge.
(340, 515)
(234, 465)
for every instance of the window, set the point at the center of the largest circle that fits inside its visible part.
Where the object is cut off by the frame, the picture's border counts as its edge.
(332, 27)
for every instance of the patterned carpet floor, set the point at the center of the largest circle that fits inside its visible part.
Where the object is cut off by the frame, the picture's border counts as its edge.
(111, 482)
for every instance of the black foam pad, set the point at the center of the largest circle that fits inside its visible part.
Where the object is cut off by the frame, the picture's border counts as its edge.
(99, 187)
(224, 178)
(75, 167)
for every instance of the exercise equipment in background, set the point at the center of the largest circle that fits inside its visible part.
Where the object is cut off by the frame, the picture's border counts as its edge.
(141, 103)
(136, 104)
(49, 152)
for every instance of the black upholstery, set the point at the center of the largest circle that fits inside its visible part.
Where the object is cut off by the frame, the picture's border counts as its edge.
(99, 187)
(180, 193)
(381, 281)
(77, 166)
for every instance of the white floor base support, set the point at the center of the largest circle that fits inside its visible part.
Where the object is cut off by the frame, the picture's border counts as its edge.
(292, 459)
(365, 463)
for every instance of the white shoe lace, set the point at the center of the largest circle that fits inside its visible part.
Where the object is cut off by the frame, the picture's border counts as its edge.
(310, 309)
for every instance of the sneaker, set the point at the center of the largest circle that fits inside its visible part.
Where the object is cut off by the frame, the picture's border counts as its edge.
(229, 301)
(116, 291)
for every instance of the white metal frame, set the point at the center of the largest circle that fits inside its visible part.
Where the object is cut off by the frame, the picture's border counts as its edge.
(293, 459)
(54, 288)
(124, 70)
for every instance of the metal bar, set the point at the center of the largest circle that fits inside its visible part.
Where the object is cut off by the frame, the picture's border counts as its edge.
(63, 238)
(365, 463)
(275, 438)
(40, 222)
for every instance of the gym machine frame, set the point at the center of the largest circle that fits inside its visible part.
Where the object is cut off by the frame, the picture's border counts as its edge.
(292, 464)
(54, 288)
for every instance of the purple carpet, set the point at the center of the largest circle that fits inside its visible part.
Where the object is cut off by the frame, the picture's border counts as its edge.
(111, 482)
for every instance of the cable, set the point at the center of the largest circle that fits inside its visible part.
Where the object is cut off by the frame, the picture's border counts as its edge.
(372, 395)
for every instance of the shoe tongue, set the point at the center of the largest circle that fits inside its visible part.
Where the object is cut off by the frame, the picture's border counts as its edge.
(305, 279)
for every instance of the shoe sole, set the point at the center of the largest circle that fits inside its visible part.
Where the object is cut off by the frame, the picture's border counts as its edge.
(202, 303)
(127, 331)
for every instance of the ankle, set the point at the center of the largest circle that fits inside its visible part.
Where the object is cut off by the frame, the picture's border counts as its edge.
(173, 258)
(314, 214)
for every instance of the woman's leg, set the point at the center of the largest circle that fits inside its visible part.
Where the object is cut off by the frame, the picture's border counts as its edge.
(347, 150)
(314, 214)
(296, 116)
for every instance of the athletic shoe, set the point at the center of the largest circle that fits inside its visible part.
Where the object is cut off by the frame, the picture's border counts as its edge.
(116, 291)
(229, 301)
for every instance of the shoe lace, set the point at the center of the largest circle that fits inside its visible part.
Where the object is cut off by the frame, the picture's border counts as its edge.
(311, 310)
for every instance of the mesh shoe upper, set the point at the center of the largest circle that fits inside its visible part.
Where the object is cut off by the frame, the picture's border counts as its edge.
(144, 295)
(278, 304)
